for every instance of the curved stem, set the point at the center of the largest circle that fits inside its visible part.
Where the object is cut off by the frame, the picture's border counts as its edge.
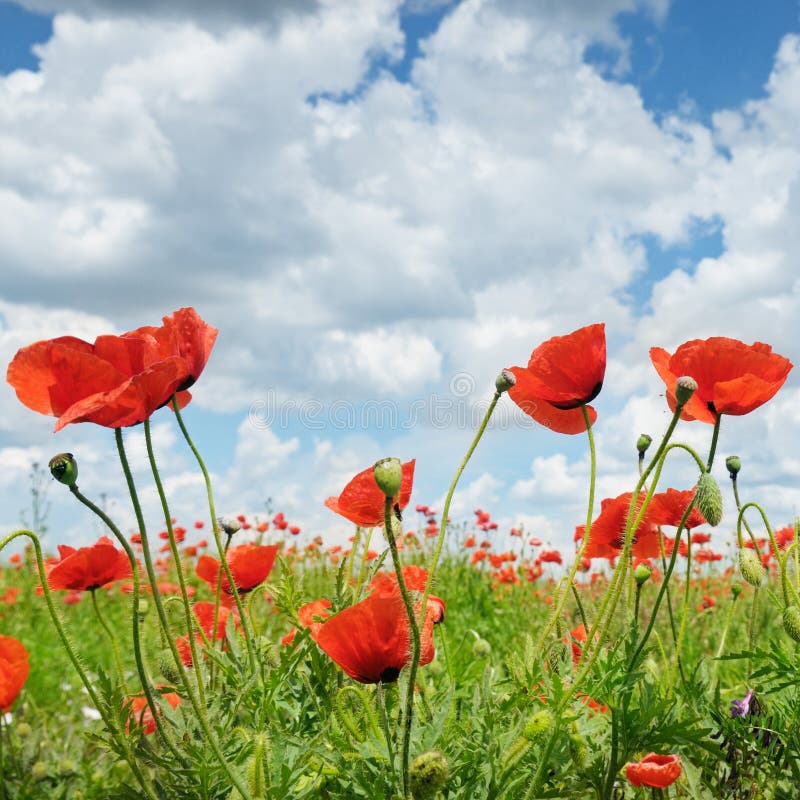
(72, 653)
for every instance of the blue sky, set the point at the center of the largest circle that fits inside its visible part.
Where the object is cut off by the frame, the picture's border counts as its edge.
(374, 201)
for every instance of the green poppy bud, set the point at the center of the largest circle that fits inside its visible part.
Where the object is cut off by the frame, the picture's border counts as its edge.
(481, 649)
(39, 771)
(428, 774)
(643, 442)
(577, 747)
(23, 730)
(736, 590)
(751, 567)
(642, 573)
(685, 387)
(538, 725)
(64, 468)
(791, 621)
(709, 499)
(504, 381)
(734, 464)
(388, 475)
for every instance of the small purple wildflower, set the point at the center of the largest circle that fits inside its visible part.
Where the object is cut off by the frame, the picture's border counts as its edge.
(741, 708)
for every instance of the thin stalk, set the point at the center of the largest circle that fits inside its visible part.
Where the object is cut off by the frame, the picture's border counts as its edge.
(385, 723)
(112, 639)
(248, 631)
(199, 710)
(173, 546)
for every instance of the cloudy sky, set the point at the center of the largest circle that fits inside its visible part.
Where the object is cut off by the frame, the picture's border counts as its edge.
(380, 204)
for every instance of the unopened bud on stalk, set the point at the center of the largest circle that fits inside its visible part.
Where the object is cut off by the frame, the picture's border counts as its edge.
(734, 464)
(23, 730)
(642, 443)
(229, 526)
(577, 747)
(751, 567)
(791, 621)
(167, 666)
(428, 774)
(685, 387)
(481, 649)
(736, 590)
(709, 499)
(64, 468)
(39, 771)
(642, 573)
(505, 381)
(388, 475)
(538, 725)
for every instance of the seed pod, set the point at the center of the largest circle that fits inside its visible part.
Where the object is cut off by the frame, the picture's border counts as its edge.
(685, 387)
(734, 464)
(64, 468)
(751, 567)
(505, 381)
(388, 475)
(643, 442)
(709, 499)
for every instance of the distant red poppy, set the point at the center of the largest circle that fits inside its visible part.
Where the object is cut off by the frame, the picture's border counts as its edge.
(14, 670)
(370, 640)
(607, 534)
(654, 770)
(732, 377)
(667, 508)
(143, 716)
(88, 567)
(362, 502)
(250, 565)
(310, 616)
(118, 380)
(563, 374)
(549, 557)
(204, 613)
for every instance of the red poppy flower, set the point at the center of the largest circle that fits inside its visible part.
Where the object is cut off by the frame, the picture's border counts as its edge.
(143, 716)
(118, 380)
(654, 770)
(362, 502)
(667, 508)
(250, 564)
(732, 377)
(88, 567)
(549, 557)
(310, 616)
(607, 534)
(370, 640)
(204, 613)
(563, 374)
(14, 669)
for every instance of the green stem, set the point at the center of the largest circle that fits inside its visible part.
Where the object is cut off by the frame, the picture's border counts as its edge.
(678, 664)
(199, 710)
(112, 639)
(248, 631)
(173, 546)
(66, 641)
(408, 715)
(385, 723)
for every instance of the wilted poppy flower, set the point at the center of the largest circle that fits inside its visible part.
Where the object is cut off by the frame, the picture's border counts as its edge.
(563, 374)
(362, 502)
(606, 537)
(14, 669)
(204, 613)
(370, 640)
(143, 716)
(250, 564)
(654, 770)
(88, 567)
(118, 380)
(732, 377)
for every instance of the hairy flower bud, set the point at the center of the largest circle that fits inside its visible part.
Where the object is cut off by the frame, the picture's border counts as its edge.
(791, 621)
(734, 464)
(428, 774)
(538, 725)
(642, 443)
(39, 771)
(685, 387)
(751, 567)
(709, 499)
(504, 381)
(388, 475)
(64, 468)
(577, 747)
(481, 649)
